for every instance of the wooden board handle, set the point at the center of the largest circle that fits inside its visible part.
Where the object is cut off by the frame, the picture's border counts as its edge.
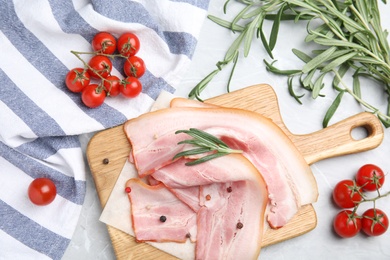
(337, 139)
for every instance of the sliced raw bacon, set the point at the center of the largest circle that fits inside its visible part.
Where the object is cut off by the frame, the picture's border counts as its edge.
(231, 197)
(289, 179)
(280, 211)
(149, 203)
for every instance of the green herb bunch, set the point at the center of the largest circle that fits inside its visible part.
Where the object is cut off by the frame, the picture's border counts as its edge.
(205, 144)
(348, 35)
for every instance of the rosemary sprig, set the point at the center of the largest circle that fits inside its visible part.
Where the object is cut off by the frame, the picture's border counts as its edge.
(349, 37)
(253, 14)
(207, 143)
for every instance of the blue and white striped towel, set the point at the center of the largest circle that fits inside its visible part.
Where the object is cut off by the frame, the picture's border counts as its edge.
(40, 120)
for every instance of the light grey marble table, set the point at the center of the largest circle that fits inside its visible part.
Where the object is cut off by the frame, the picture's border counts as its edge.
(91, 240)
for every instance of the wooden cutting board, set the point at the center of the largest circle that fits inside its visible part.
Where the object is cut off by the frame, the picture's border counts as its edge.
(333, 141)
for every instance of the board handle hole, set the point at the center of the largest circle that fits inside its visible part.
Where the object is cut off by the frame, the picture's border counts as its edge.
(361, 132)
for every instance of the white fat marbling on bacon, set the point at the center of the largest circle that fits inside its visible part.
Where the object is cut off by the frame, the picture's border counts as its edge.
(284, 201)
(228, 190)
(149, 203)
(223, 238)
(289, 179)
(189, 196)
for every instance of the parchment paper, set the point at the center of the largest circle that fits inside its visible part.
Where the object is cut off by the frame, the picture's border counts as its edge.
(116, 213)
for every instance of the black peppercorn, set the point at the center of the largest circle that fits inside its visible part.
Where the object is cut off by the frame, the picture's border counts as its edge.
(239, 225)
(106, 161)
(163, 219)
(229, 189)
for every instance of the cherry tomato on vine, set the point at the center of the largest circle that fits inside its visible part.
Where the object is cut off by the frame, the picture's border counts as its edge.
(134, 66)
(100, 65)
(128, 44)
(370, 177)
(77, 79)
(374, 222)
(93, 96)
(104, 42)
(346, 194)
(347, 224)
(112, 86)
(42, 191)
(130, 87)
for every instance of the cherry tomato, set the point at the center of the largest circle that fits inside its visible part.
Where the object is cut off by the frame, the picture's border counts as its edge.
(77, 79)
(370, 177)
(104, 42)
(347, 224)
(112, 86)
(100, 65)
(346, 194)
(128, 44)
(93, 95)
(42, 191)
(374, 222)
(134, 66)
(130, 87)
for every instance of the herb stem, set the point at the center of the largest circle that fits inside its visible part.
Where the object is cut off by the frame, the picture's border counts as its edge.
(207, 145)
(360, 100)
(358, 15)
(376, 198)
(350, 31)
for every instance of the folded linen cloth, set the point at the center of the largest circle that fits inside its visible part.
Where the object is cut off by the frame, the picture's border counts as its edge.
(40, 120)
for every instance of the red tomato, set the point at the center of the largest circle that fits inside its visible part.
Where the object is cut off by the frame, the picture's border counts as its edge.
(77, 79)
(370, 177)
(134, 66)
(93, 95)
(346, 224)
(374, 222)
(112, 86)
(104, 42)
(128, 44)
(100, 65)
(42, 191)
(346, 194)
(131, 87)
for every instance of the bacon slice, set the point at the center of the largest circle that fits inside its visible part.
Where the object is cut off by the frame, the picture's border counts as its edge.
(289, 179)
(149, 203)
(231, 198)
